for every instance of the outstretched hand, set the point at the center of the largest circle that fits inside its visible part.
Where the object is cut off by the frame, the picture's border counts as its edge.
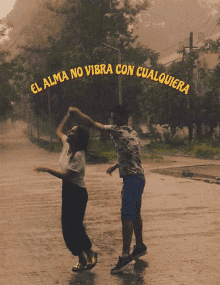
(41, 169)
(110, 170)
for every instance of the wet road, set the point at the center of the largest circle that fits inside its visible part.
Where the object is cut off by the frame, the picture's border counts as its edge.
(181, 224)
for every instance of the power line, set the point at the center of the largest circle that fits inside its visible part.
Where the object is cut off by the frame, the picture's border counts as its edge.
(196, 30)
(8, 42)
(209, 36)
(213, 31)
(11, 44)
(205, 23)
(172, 60)
(171, 47)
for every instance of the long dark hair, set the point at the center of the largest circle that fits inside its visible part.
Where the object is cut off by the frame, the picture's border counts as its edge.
(83, 138)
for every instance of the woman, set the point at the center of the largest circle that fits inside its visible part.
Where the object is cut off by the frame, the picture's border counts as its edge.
(74, 194)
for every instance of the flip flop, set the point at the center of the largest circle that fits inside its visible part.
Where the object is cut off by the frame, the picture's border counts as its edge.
(92, 264)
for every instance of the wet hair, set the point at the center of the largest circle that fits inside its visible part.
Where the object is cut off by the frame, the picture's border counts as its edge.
(83, 138)
(120, 115)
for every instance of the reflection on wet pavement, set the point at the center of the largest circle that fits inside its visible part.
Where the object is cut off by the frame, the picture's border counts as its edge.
(181, 224)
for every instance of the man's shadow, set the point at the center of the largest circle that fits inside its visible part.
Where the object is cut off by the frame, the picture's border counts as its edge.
(135, 276)
(85, 277)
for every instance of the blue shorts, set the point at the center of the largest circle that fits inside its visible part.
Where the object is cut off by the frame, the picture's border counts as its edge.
(131, 194)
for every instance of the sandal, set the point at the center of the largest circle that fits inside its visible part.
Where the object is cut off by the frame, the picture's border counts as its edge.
(92, 264)
(79, 267)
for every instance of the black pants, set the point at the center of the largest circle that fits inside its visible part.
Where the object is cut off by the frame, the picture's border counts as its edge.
(74, 200)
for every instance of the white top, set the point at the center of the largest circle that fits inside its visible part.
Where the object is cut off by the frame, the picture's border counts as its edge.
(76, 163)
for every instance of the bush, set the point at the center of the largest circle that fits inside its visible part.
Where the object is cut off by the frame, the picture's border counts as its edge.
(214, 142)
(205, 152)
(175, 141)
(101, 152)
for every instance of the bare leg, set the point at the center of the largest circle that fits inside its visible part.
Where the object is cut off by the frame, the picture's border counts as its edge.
(82, 259)
(137, 223)
(89, 254)
(127, 231)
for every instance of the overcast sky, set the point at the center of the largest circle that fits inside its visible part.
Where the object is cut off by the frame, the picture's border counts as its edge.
(168, 22)
(5, 7)
(163, 25)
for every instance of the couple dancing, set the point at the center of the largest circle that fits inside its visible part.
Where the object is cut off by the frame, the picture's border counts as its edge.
(74, 194)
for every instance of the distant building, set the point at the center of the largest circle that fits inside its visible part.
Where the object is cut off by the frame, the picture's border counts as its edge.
(206, 60)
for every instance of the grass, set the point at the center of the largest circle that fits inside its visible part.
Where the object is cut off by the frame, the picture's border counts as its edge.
(104, 152)
(151, 157)
(206, 149)
(54, 146)
(101, 152)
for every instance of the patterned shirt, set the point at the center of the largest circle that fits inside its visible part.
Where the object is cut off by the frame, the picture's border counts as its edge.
(128, 150)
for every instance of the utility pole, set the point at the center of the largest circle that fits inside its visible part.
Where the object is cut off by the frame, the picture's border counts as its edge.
(191, 78)
(190, 123)
(189, 98)
(191, 40)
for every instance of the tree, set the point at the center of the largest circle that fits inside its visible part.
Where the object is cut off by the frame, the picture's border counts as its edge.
(209, 89)
(166, 105)
(211, 100)
(7, 90)
(86, 29)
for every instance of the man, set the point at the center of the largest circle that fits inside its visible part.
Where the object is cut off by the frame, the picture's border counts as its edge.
(130, 169)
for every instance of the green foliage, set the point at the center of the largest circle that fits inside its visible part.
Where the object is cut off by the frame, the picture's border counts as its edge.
(211, 46)
(175, 141)
(7, 90)
(152, 157)
(209, 149)
(205, 151)
(166, 105)
(213, 142)
(210, 100)
(209, 91)
(88, 29)
(49, 146)
(99, 152)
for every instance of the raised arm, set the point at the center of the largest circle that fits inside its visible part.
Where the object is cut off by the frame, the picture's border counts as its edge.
(60, 128)
(76, 113)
